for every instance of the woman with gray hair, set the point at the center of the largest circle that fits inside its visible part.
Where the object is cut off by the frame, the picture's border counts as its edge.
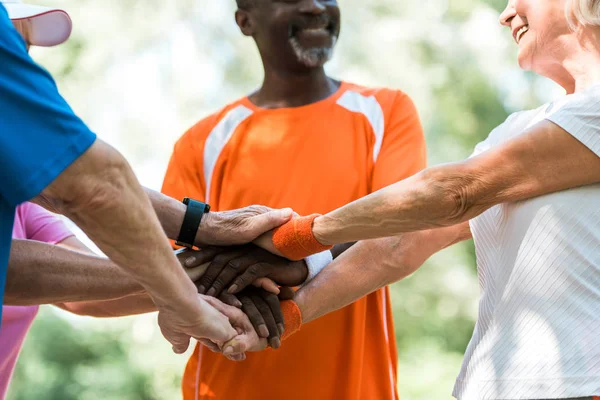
(530, 198)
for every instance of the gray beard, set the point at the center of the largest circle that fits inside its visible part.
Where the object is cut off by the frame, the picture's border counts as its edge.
(312, 57)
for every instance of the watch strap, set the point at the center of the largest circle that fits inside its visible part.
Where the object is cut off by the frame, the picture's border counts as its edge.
(191, 221)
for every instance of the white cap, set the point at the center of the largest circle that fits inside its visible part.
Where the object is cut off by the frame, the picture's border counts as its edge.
(49, 26)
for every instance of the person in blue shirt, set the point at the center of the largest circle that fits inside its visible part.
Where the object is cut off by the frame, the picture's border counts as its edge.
(49, 156)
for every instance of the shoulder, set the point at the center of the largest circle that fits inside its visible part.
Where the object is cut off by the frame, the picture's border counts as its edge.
(197, 135)
(379, 103)
(387, 98)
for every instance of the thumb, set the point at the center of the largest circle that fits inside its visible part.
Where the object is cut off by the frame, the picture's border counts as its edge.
(234, 346)
(266, 284)
(272, 219)
(180, 343)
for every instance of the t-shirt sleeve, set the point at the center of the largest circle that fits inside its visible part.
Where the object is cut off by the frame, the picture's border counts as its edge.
(403, 151)
(580, 116)
(40, 135)
(44, 226)
(184, 176)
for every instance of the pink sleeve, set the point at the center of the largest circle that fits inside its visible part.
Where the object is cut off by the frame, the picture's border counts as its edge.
(43, 226)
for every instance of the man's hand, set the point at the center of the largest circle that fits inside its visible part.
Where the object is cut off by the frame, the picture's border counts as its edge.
(246, 339)
(239, 226)
(265, 241)
(236, 269)
(199, 320)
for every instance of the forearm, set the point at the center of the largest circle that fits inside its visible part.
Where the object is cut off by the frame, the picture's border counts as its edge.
(40, 273)
(544, 160)
(100, 193)
(428, 200)
(121, 307)
(370, 265)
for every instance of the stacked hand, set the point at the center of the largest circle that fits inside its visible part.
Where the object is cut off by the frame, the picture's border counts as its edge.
(242, 284)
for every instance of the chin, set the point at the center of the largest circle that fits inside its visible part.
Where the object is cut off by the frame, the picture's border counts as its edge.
(315, 57)
(525, 60)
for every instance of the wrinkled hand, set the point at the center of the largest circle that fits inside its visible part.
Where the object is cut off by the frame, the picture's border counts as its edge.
(261, 309)
(246, 338)
(235, 269)
(240, 226)
(198, 319)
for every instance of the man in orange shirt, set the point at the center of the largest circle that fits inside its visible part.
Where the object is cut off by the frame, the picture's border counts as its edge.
(309, 142)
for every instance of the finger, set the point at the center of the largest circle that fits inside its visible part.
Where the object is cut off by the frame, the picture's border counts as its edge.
(256, 318)
(273, 303)
(237, 357)
(193, 258)
(196, 273)
(286, 293)
(210, 345)
(251, 274)
(267, 284)
(233, 268)
(230, 299)
(180, 343)
(214, 269)
(270, 220)
(235, 346)
(267, 314)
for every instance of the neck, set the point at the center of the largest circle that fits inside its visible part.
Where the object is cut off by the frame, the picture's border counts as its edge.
(293, 89)
(580, 68)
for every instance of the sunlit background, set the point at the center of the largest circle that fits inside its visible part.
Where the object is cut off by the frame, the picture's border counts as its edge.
(140, 72)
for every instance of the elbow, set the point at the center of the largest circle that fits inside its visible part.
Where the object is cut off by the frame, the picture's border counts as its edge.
(463, 192)
(96, 179)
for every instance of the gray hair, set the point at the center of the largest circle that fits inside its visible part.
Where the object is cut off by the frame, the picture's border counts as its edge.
(583, 12)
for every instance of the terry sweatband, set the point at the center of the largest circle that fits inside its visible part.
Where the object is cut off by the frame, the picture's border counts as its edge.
(292, 317)
(316, 263)
(295, 239)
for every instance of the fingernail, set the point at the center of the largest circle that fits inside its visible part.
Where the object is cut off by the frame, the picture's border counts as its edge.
(190, 261)
(211, 292)
(201, 289)
(276, 343)
(238, 304)
(228, 351)
(286, 212)
(263, 331)
(281, 328)
(232, 289)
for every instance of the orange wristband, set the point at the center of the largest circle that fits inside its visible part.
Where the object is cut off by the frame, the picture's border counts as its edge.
(295, 239)
(292, 317)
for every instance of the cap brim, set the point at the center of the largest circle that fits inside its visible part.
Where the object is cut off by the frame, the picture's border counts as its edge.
(49, 26)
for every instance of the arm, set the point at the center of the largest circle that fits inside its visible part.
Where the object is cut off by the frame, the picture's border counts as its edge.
(217, 228)
(543, 160)
(40, 273)
(371, 265)
(133, 303)
(100, 193)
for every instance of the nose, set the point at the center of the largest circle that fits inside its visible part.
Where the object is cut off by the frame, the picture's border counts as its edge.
(312, 6)
(508, 14)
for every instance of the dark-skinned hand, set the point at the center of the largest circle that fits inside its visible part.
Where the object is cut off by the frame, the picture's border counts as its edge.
(236, 268)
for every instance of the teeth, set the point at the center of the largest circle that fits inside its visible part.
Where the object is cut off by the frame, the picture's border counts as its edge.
(315, 30)
(521, 32)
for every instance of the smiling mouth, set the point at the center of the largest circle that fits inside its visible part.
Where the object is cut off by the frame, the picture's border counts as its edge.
(520, 33)
(314, 30)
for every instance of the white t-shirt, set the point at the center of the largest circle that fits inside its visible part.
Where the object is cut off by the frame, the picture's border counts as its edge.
(538, 331)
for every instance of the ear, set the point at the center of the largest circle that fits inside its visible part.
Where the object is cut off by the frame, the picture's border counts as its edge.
(244, 21)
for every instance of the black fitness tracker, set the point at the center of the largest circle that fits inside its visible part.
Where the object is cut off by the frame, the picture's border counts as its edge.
(191, 221)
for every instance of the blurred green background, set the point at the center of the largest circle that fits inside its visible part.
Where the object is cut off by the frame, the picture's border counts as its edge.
(140, 72)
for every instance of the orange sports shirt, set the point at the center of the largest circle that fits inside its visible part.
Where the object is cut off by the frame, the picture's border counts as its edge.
(314, 159)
